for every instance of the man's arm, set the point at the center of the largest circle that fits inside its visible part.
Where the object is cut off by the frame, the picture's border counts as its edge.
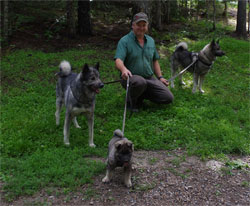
(157, 71)
(121, 67)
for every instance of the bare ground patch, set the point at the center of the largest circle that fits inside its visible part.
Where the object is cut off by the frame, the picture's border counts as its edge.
(159, 178)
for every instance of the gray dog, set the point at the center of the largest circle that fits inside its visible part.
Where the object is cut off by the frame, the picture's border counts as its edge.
(119, 155)
(77, 92)
(206, 57)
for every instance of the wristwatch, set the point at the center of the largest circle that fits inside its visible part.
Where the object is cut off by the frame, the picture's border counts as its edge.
(160, 77)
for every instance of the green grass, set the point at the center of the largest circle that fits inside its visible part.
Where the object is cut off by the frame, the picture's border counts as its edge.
(32, 152)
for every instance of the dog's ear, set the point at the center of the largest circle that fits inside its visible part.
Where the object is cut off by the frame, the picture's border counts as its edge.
(213, 42)
(97, 66)
(130, 145)
(217, 42)
(118, 145)
(85, 70)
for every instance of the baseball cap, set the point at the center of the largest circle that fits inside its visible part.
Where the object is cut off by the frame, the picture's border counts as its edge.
(140, 17)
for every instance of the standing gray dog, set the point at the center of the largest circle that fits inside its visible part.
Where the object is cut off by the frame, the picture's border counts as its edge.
(119, 155)
(77, 92)
(206, 57)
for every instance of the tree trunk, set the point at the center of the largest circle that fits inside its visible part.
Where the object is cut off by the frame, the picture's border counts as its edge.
(241, 19)
(224, 14)
(84, 20)
(207, 9)
(214, 16)
(158, 15)
(71, 20)
(248, 16)
(5, 20)
(225, 9)
(168, 19)
(198, 10)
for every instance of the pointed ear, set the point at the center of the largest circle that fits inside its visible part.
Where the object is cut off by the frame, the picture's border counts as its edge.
(85, 68)
(97, 66)
(213, 42)
(84, 72)
(218, 41)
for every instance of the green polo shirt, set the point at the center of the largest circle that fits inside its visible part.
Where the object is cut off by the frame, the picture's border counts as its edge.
(139, 60)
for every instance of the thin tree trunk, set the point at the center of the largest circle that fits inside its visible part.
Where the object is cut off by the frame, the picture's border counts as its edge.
(248, 17)
(158, 15)
(225, 9)
(197, 10)
(71, 20)
(214, 16)
(207, 9)
(168, 18)
(84, 20)
(224, 14)
(5, 26)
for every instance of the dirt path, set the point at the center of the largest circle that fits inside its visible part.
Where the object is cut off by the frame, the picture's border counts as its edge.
(160, 178)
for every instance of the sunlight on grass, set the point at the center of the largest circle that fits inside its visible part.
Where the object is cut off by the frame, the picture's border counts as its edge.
(32, 152)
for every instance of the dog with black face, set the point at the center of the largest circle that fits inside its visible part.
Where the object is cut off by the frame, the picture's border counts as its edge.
(205, 60)
(77, 92)
(119, 155)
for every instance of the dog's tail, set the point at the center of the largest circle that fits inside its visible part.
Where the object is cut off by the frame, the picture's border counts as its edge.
(118, 133)
(65, 69)
(181, 46)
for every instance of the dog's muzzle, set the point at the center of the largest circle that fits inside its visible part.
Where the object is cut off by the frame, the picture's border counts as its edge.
(97, 89)
(125, 164)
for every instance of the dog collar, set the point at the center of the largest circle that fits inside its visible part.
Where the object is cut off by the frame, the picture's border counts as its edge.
(72, 90)
(205, 63)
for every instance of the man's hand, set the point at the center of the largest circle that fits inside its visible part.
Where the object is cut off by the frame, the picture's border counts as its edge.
(164, 81)
(125, 74)
(120, 66)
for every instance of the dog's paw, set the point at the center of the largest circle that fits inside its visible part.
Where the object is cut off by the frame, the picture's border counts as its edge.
(77, 126)
(183, 83)
(67, 144)
(105, 179)
(92, 145)
(57, 122)
(128, 183)
(202, 91)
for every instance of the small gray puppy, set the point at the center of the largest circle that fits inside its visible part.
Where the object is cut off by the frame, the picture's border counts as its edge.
(119, 155)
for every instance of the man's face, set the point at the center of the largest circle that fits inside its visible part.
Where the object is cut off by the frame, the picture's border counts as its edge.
(140, 28)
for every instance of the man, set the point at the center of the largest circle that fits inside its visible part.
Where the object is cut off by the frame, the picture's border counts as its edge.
(136, 56)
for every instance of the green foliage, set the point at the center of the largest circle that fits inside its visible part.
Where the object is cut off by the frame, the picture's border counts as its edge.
(32, 150)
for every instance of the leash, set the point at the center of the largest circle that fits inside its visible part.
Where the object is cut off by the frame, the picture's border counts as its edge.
(181, 72)
(125, 109)
(111, 82)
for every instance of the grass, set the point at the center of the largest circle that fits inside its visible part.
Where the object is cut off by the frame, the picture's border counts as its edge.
(32, 152)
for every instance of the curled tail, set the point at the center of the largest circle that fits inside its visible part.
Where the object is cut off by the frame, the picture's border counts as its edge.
(118, 133)
(181, 46)
(65, 69)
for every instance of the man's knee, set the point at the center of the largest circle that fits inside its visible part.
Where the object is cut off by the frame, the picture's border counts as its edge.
(138, 82)
(165, 98)
(169, 98)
